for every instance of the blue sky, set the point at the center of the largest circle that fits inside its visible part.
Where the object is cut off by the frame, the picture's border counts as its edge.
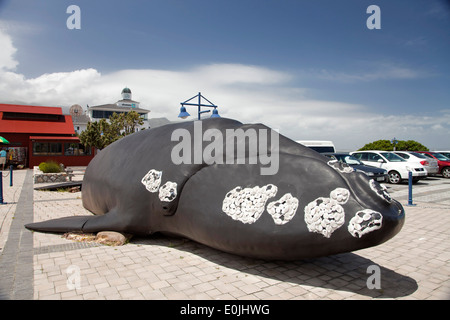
(311, 69)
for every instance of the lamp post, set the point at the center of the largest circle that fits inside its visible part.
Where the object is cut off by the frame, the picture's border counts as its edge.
(394, 142)
(184, 114)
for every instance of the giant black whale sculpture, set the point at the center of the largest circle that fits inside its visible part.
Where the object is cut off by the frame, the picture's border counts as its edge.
(309, 207)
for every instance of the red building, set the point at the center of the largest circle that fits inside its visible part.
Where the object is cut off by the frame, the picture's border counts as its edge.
(38, 134)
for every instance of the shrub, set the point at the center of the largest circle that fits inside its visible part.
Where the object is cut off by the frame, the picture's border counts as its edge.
(49, 167)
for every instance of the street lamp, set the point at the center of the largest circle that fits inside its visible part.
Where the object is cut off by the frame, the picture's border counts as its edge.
(184, 114)
(394, 142)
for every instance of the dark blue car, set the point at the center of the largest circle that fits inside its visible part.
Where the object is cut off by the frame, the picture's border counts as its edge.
(377, 174)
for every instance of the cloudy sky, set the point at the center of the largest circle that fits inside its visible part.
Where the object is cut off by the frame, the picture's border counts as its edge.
(312, 69)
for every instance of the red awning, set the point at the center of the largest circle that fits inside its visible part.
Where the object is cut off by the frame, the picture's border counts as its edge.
(54, 138)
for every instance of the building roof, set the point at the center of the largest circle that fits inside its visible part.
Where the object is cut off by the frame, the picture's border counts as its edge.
(81, 119)
(34, 120)
(29, 109)
(127, 101)
(114, 107)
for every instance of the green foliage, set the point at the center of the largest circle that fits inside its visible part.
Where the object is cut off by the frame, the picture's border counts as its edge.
(102, 133)
(402, 145)
(50, 167)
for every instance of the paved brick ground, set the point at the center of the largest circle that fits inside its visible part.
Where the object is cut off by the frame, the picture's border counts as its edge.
(413, 265)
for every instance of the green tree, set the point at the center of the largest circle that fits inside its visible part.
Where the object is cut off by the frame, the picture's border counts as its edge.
(127, 122)
(387, 145)
(102, 133)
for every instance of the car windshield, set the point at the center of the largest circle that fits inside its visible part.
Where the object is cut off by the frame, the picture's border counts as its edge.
(418, 155)
(392, 157)
(351, 160)
(440, 157)
(347, 158)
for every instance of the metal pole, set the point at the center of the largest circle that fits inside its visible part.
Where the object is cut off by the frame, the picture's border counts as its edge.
(11, 175)
(199, 103)
(1, 187)
(410, 200)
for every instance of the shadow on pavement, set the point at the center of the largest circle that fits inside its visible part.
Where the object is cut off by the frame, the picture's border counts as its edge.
(343, 272)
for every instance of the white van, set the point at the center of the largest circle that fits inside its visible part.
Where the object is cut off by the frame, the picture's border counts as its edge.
(319, 145)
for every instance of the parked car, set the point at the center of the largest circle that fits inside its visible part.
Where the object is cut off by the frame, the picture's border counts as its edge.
(443, 162)
(444, 153)
(430, 164)
(397, 167)
(380, 175)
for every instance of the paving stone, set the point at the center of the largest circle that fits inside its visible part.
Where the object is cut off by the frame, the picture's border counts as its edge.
(414, 265)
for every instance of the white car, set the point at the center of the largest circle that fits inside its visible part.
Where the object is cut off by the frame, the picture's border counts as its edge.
(431, 165)
(397, 167)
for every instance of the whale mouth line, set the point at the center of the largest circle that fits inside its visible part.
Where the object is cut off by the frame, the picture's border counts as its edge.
(401, 210)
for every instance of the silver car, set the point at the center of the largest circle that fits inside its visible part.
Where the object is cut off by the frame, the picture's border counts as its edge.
(430, 164)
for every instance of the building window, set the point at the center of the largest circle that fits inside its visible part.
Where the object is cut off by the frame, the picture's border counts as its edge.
(103, 114)
(76, 149)
(47, 149)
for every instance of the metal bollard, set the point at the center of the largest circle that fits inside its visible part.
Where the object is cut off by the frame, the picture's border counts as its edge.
(410, 200)
(11, 175)
(1, 188)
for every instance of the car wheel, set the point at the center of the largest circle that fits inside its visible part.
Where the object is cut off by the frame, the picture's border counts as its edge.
(394, 177)
(446, 172)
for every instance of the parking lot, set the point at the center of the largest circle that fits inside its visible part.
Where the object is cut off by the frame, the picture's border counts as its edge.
(432, 191)
(415, 264)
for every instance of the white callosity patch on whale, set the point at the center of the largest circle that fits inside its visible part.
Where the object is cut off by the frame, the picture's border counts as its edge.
(246, 205)
(339, 166)
(341, 195)
(168, 192)
(364, 221)
(380, 190)
(325, 215)
(283, 210)
(152, 180)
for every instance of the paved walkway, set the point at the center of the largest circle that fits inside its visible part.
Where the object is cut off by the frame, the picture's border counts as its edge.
(413, 265)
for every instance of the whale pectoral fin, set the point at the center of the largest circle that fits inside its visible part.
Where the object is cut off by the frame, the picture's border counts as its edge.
(62, 225)
(111, 221)
(76, 224)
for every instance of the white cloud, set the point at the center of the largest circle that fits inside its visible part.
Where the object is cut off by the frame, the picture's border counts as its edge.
(7, 61)
(248, 93)
(379, 71)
